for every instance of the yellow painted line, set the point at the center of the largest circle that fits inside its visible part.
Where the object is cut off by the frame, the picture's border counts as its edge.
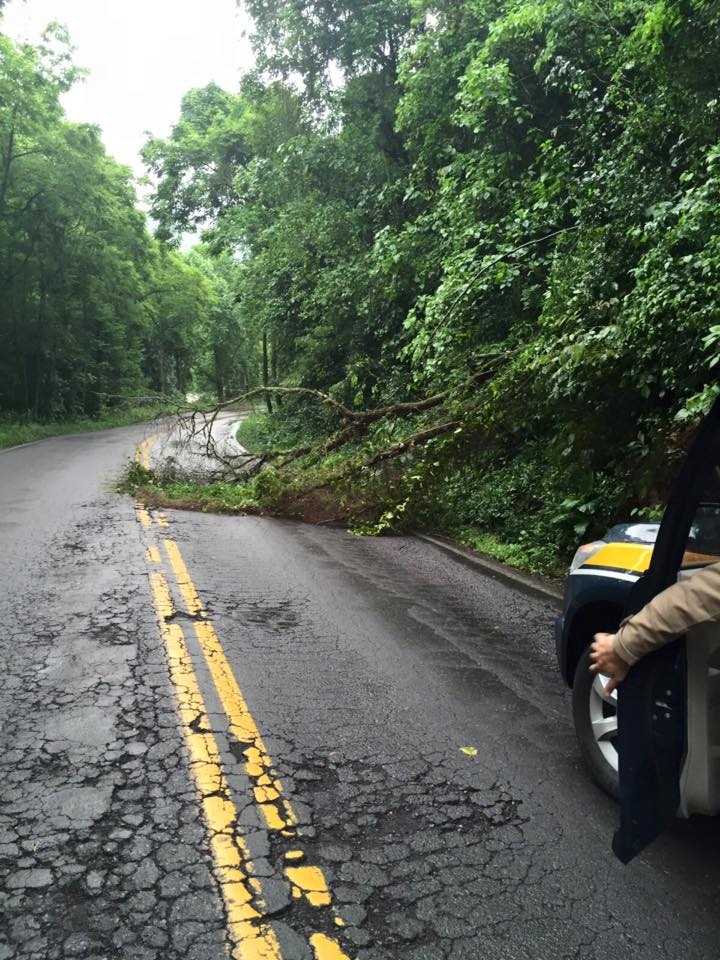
(253, 938)
(182, 578)
(153, 554)
(309, 882)
(142, 454)
(161, 519)
(143, 516)
(305, 881)
(148, 445)
(267, 787)
(325, 948)
(164, 605)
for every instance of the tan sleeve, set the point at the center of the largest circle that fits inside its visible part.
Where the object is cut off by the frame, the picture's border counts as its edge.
(670, 614)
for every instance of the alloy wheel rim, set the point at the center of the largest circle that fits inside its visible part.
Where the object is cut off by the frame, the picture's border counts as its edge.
(603, 719)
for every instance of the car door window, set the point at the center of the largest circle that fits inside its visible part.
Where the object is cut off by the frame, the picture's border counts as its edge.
(703, 543)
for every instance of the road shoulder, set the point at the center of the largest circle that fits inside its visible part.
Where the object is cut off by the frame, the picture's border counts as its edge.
(542, 587)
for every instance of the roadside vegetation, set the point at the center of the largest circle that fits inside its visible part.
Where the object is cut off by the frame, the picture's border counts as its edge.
(527, 191)
(470, 253)
(14, 432)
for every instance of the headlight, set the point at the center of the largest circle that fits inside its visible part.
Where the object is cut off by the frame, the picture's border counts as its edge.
(587, 550)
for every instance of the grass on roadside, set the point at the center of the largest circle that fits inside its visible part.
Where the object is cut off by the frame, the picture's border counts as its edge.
(217, 497)
(513, 554)
(14, 432)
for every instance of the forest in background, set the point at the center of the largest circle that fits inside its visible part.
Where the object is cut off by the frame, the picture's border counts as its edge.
(94, 311)
(493, 222)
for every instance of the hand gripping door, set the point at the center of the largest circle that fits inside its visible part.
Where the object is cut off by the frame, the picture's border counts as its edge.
(652, 700)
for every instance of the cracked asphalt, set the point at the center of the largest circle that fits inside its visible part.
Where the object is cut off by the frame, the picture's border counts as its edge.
(362, 667)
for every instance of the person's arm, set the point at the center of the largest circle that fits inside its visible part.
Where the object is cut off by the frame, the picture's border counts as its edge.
(666, 617)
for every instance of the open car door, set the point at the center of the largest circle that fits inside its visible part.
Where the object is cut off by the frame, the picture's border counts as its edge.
(652, 701)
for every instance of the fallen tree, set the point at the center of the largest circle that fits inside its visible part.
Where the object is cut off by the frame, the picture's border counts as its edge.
(353, 425)
(366, 473)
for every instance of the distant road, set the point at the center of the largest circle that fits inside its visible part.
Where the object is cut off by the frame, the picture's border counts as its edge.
(199, 446)
(238, 734)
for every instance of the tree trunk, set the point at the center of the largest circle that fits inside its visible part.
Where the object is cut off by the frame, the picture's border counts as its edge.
(274, 366)
(218, 364)
(161, 365)
(7, 161)
(265, 372)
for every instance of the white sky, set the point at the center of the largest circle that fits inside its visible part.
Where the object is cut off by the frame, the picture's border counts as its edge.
(143, 55)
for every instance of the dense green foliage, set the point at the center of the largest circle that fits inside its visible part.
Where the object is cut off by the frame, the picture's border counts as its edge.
(536, 178)
(93, 310)
(510, 205)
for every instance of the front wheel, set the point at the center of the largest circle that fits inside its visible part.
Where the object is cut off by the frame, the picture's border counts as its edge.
(596, 725)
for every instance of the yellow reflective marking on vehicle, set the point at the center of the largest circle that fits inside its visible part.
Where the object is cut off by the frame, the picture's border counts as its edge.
(629, 557)
(325, 948)
(254, 938)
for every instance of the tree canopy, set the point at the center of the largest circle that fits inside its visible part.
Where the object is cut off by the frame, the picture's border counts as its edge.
(411, 185)
(401, 190)
(93, 309)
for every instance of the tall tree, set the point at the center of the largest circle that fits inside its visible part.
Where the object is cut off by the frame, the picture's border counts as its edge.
(76, 259)
(316, 38)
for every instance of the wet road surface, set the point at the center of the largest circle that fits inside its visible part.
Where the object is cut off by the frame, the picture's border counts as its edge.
(237, 736)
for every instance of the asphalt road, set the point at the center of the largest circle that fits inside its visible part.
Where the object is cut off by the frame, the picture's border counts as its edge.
(237, 736)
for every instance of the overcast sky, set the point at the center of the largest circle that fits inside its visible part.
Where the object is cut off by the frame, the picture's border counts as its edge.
(143, 55)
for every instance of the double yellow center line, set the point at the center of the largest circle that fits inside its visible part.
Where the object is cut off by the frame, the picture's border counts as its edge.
(250, 933)
(142, 454)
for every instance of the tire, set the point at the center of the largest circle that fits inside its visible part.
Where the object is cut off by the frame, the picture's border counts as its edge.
(596, 726)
